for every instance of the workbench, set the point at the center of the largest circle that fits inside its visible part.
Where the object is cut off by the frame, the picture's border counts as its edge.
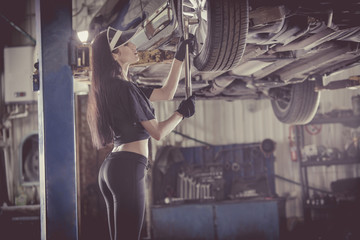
(258, 219)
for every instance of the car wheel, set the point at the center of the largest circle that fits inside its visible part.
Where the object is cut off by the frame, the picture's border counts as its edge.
(297, 103)
(31, 166)
(3, 184)
(220, 32)
(30, 158)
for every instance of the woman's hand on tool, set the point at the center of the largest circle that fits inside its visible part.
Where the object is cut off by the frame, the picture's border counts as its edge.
(181, 47)
(187, 107)
(158, 130)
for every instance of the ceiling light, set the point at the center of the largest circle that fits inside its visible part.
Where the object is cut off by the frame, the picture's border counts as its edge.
(83, 36)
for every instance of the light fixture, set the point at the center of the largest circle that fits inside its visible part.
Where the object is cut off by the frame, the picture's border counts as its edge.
(83, 36)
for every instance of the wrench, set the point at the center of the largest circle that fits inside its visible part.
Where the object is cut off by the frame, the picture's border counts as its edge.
(188, 87)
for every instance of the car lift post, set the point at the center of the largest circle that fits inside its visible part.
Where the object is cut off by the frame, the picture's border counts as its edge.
(58, 198)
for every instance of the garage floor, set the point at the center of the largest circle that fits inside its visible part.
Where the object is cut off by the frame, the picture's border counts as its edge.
(16, 227)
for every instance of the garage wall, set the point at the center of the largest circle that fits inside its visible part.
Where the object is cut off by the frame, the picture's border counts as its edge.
(339, 99)
(22, 122)
(336, 135)
(222, 122)
(26, 21)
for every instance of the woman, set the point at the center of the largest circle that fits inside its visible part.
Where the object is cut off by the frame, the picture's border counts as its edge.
(120, 112)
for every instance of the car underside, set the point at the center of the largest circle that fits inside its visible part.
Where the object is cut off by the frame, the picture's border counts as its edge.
(279, 50)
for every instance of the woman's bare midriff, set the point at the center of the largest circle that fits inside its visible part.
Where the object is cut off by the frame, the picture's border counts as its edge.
(140, 147)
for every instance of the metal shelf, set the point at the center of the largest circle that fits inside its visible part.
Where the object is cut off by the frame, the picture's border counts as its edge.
(321, 207)
(344, 117)
(329, 163)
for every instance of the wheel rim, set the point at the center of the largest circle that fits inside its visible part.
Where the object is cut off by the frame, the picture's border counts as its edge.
(196, 11)
(283, 102)
(32, 166)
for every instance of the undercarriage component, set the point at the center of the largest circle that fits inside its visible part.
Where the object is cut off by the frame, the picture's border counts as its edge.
(262, 16)
(217, 87)
(309, 42)
(351, 83)
(154, 56)
(313, 61)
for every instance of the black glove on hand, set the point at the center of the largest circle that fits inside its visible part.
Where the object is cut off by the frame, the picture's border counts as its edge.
(187, 107)
(180, 53)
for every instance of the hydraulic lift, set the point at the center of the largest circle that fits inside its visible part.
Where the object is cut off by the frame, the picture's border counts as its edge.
(58, 203)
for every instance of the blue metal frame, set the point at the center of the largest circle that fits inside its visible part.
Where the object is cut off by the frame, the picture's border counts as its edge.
(258, 219)
(56, 121)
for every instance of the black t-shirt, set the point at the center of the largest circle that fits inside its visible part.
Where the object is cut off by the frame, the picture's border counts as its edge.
(129, 105)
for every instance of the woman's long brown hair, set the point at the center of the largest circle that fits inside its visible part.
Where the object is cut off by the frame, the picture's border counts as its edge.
(104, 68)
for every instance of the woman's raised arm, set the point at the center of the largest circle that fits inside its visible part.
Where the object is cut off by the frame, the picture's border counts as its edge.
(167, 91)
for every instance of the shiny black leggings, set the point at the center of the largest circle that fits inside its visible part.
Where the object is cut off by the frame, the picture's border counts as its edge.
(122, 183)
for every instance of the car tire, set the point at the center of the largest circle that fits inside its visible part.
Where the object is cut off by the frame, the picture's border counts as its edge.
(300, 105)
(30, 158)
(3, 184)
(221, 38)
(31, 166)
